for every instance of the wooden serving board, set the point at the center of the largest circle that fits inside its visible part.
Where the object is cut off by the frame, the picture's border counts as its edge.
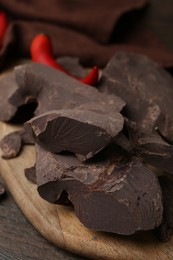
(59, 224)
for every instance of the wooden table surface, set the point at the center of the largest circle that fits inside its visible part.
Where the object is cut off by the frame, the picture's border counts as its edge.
(18, 239)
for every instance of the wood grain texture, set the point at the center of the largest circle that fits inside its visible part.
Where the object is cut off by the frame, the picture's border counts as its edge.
(60, 226)
(20, 240)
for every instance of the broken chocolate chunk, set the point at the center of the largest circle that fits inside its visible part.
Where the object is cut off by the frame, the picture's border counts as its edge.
(151, 148)
(9, 112)
(82, 132)
(7, 87)
(145, 87)
(121, 199)
(165, 230)
(72, 64)
(30, 174)
(53, 90)
(11, 145)
(26, 137)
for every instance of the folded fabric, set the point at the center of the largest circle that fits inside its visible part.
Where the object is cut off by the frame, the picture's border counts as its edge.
(81, 28)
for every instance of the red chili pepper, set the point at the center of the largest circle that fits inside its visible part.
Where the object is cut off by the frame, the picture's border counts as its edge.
(41, 51)
(3, 27)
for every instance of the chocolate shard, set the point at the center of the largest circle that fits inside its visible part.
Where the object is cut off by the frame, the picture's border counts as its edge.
(30, 174)
(151, 148)
(26, 137)
(7, 86)
(108, 198)
(145, 87)
(11, 145)
(123, 141)
(53, 90)
(165, 230)
(82, 132)
(72, 65)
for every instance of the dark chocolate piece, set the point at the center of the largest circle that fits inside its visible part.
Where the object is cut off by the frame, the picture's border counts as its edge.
(165, 230)
(123, 141)
(53, 90)
(26, 137)
(2, 190)
(11, 145)
(9, 112)
(82, 132)
(7, 87)
(121, 200)
(151, 148)
(145, 87)
(30, 174)
(72, 65)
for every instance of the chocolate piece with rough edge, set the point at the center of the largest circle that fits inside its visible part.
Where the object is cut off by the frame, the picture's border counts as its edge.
(11, 144)
(37, 82)
(121, 200)
(151, 148)
(165, 230)
(30, 174)
(9, 112)
(72, 65)
(145, 87)
(7, 86)
(53, 90)
(82, 132)
(26, 137)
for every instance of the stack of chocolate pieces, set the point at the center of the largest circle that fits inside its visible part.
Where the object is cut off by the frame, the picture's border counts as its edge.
(94, 150)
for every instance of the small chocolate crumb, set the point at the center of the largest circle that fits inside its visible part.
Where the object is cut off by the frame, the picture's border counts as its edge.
(11, 145)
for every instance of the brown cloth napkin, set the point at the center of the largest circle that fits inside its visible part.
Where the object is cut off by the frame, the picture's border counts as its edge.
(80, 28)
